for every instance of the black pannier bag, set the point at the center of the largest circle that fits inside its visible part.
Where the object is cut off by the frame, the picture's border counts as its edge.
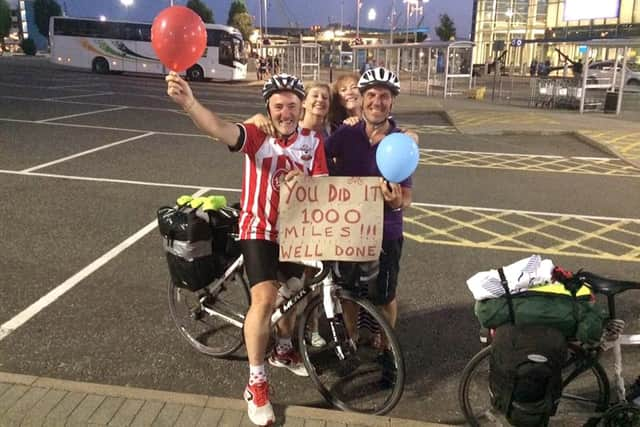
(525, 373)
(196, 239)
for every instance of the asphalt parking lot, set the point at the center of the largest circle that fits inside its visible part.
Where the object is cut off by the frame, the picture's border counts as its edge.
(86, 160)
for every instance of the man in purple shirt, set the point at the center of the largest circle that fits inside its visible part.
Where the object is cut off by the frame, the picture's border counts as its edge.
(351, 151)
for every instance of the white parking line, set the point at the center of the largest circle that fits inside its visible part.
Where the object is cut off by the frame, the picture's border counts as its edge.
(81, 114)
(59, 98)
(237, 190)
(76, 86)
(93, 150)
(76, 125)
(118, 181)
(26, 314)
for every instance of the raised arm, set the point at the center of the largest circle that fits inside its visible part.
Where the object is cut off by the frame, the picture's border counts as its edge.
(204, 119)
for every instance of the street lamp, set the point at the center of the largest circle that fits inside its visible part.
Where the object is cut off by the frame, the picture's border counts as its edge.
(371, 15)
(413, 6)
(410, 4)
(126, 4)
(358, 6)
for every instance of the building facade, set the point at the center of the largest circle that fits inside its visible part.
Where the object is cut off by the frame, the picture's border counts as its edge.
(27, 25)
(532, 30)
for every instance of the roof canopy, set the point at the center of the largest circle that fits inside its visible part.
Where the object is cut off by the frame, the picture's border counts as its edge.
(635, 42)
(424, 44)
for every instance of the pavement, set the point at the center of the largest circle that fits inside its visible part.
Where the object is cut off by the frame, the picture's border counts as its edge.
(39, 401)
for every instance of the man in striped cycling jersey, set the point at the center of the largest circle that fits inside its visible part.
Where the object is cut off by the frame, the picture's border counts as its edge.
(267, 160)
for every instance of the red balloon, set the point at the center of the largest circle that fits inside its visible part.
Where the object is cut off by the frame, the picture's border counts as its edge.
(179, 37)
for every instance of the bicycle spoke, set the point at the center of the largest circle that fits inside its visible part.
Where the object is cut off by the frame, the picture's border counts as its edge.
(583, 396)
(211, 321)
(356, 378)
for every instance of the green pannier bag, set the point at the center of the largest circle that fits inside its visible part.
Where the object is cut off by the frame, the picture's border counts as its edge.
(551, 305)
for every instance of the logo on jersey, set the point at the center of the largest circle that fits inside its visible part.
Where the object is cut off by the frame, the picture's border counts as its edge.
(306, 153)
(277, 177)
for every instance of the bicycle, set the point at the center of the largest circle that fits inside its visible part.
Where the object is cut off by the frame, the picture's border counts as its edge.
(348, 371)
(585, 398)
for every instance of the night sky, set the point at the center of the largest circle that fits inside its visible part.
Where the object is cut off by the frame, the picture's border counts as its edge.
(290, 13)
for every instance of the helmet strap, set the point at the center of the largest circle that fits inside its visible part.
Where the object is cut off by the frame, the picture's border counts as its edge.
(371, 128)
(374, 125)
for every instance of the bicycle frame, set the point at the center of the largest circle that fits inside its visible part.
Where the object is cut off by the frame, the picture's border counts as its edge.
(235, 266)
(332, 307)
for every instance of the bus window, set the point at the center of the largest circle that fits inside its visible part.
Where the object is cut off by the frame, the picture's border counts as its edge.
(145, 32)
(131, 32)
(213, 37)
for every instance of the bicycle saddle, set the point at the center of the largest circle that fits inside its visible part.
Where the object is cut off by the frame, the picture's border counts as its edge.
(602, 285)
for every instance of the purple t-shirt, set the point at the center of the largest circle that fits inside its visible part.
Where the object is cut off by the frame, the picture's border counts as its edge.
(349, 153)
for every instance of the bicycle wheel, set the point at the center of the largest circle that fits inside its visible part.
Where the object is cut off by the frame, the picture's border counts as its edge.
(585, 392)
(367, 379)
(211, 318)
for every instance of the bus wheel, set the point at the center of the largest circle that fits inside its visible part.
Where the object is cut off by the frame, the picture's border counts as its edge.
(195, 73)
(100, 66)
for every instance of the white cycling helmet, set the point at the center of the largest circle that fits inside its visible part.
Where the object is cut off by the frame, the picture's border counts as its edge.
(283, 83)
(379, 76)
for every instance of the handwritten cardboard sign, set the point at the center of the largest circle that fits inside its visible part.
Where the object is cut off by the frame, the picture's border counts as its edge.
(330, 219)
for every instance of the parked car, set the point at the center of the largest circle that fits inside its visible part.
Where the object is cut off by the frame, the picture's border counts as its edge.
(602, 73)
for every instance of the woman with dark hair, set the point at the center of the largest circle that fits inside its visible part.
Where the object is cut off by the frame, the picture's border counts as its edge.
(346, 102)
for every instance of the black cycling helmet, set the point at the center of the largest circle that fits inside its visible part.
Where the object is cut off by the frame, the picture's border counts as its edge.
(283, 83)
(379, 77)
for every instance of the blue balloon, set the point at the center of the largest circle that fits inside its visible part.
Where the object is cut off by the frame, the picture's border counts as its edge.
(397, 157)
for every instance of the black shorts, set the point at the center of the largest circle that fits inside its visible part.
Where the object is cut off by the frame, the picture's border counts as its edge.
(377, 280)
(261, 262)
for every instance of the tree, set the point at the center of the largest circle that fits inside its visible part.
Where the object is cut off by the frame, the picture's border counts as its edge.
(236, 7)
(43, 10)
(244, 23)
(447, 29)
(5, 22)
(202, 10)
(28, 46)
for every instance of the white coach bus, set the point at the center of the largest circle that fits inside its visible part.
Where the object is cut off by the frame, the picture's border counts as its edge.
(118, 46)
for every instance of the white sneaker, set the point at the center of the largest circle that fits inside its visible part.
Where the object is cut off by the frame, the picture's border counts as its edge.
(290, 360)
(259, 410)
(317, 340)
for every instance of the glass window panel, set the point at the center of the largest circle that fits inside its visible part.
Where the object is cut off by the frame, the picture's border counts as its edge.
(626, 11)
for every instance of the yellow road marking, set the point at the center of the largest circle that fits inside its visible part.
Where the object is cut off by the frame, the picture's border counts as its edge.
(528, 162)
(584, 236)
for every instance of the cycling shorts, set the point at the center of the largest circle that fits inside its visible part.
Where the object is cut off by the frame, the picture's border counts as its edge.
(261, 262)
(377, 280)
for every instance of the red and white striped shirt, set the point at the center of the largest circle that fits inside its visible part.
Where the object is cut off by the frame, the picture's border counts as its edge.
(267, 160)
